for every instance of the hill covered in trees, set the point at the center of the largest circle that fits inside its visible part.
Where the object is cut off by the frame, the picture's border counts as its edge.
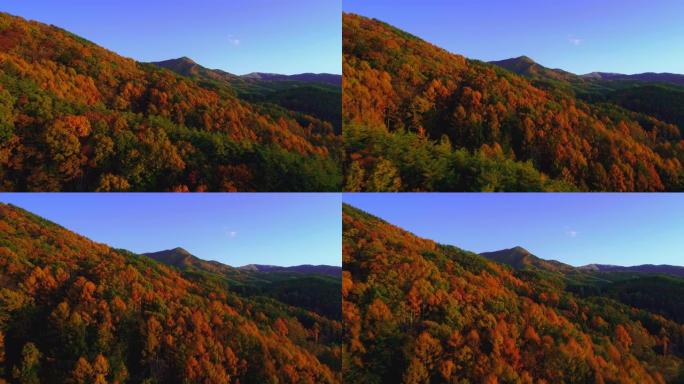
(77, 117)
(312, 287)
(417, 117)
(315, 94)
(75, 311)
(415, 311)
(660, 95)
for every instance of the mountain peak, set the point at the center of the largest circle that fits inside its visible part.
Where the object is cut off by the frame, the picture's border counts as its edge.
(181, 250)
(177, 256)
(520, 258)
(525, 59)
(186, 59)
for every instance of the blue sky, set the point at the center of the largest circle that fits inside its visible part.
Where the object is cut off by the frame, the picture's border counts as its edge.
(235, 229)
(239, 36)
(578, 229)
(581, 36)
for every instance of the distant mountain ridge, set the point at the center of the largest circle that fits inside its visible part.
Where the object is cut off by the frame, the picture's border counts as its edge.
(181, 258)
(672, 78)
(324, 78)
(188, 67)
(673, 270)
(304, 268)
(524, 65)
(520, 258)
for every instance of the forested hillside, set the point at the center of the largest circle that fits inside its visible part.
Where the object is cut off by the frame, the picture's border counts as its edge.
(415, 311)
(318, 95)
(314, 288)
(76, 117)
(417, 117)
(74, 311)
(657, 95)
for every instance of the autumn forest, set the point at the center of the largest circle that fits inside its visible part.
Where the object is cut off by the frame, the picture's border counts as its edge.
(419, 118)
(334, 140)
(416, 311)
(77, 117)
(76, 311)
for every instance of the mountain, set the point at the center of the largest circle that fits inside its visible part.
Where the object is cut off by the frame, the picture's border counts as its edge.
(314, 288)
(419, 118)
(187, 67)
(180, 258)
(520, 258)
(72, 310)
(672, 270)
(657, 95)
(315, 94)
(649, 77)
(525, 66)
(324, 78)
(305, 268)
(77, 117)
(416, 311)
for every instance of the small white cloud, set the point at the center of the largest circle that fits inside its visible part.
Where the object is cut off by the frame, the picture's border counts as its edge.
(575, 41)
(571, 233)
(232, 233)
(234, 41)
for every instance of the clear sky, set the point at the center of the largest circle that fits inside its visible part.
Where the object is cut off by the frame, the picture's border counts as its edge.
(238, 36)
(581, 36)
(577, 229)
(235, 229)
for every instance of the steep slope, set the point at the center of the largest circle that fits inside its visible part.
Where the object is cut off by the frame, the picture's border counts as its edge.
(417, 312)
(399, 89)
(72, 310)
(76, 117)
